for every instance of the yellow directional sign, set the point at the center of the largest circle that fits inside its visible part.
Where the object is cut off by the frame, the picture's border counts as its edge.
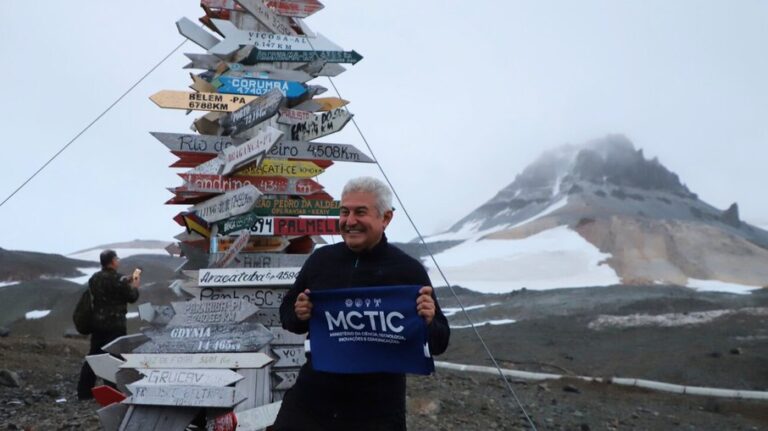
(200, 101)
(329, 103)
(283, 168)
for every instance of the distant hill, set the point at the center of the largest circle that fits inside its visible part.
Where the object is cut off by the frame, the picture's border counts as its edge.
(27, 265)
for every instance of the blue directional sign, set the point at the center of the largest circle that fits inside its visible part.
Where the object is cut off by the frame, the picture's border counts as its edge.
(259, 86)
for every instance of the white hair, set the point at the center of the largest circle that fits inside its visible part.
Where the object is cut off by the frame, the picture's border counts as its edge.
(373, 186)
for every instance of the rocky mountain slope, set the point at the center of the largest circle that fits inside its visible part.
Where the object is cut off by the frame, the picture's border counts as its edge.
(634, 220)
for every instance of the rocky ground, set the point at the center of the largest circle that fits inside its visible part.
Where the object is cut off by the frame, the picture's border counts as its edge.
(555, 332)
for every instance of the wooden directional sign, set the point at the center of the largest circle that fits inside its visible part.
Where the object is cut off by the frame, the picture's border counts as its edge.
(251, 114)
(251, 151)
(240, 277)
(274, 55)
(284, 337)
(295, 8)
(265, 15)
(202, 61)
(321, 125)
(242, 337)
(125, 344)
(282, 168)
(196, 360)
(265, 260)
(223, 311)
(229, 204)
(266, 185)
(317, 151)
(320, 104)
(193, 32)
(266, 71)
(264, 298)
(104, 365)
(291, 226)
(176, 395)
(189, 143)
(288, 356)
(296, 207)
(284, 379)
(201, 101)
(235, 38)
(222, 4)
(259, 86)
(293, 116)
(191, 377)
(257, 244)
(240, 243)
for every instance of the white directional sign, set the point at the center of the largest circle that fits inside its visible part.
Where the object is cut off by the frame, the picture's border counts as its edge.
(266, 16)
(191, 377)
(234, 38)
(217, 312)
(258, 417)
(235, 277)
(284, 337)
(284, 379)
(195, 360)
(260, 297)
(227, 205)
(193, 32)
(321, 125)
(250, 151)
(289, 356)
(198, 396)
(105, 366)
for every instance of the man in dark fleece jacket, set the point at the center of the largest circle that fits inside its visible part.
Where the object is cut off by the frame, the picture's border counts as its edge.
(328, 401)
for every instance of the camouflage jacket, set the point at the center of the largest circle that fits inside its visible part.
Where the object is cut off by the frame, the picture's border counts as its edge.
(111, 293)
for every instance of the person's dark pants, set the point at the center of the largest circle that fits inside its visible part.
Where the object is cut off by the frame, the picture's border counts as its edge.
(87, 376)
(293, 417)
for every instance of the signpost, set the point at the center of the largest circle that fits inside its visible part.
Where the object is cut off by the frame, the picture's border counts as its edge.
(320, 125)
(234, 38)
(296, 207)
(265, 260)
(257, 244)
(225, 311)
(176, 395)
(251, 151)
(195, 360)
(295, 8)
(201, 101)
(236, 277)
(259, 86)
(261, 297)
(243, 337)
(266, 16)
(289, 357)
(282, 168)
(192, 377)
(193, 32)
(318, 151)
(288, 226)
(251, 114)
(229, 204)
(329, 56)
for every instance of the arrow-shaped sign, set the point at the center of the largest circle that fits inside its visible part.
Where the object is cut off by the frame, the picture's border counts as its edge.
(318, 151)
(202, 61)
(227, 205)
(241, 337)
(219, 312)
(266, 185)
(253, 419)
(235, 38)
(105, 366)
(266, 71)
(264, 298)
(289, 356)
(265, 15)
(234, 277)
(190, 143)
(190, 377)
(297, 207)
(321, 104)
(201, 101)
(251, 151)
(282, 168)
(234, 250)
(321, 125)
(251, 114)
(274, 55)
(291, 226)
(285, 379)
(193, 32)
(197, 396)
(265, 260)
(196, 360)
(295, 8)
(258, 86)
(257, 244)
(284, 337)
(125, 344)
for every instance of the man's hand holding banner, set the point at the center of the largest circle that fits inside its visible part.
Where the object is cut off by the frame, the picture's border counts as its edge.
(369, 330)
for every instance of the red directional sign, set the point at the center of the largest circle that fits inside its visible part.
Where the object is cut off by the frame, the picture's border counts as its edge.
(267, 185)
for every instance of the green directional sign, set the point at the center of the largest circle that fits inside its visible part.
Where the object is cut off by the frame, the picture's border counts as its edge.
(305, 56)
(297, 207)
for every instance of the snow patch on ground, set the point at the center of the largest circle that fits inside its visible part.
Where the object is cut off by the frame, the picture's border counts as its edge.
(122, 253)
(88, 272)
(450, 311)
(37, 314)
(132, 315)
(551, 259)
(8, 283)
(485, 322)
(720, 286)
(670, 319)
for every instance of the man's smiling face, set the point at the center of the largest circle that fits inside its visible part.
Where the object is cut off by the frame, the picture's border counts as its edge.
(361, 223)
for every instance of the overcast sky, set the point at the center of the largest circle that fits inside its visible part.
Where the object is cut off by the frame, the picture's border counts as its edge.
(455, 97)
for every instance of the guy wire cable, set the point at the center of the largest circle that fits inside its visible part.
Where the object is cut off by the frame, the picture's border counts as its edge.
(431, 255)
(109, 108)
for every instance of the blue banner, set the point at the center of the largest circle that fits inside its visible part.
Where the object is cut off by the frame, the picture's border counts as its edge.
(368, 330)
